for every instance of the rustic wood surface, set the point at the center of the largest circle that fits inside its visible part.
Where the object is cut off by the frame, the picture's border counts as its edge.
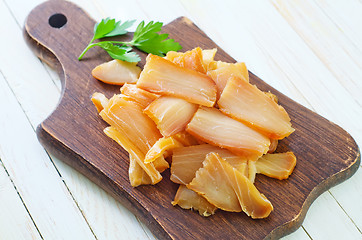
(309, 50)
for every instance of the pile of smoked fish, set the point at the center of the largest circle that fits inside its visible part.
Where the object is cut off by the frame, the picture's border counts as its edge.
(202, 117)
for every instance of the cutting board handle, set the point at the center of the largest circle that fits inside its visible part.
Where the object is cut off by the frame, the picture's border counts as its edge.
(63, 29)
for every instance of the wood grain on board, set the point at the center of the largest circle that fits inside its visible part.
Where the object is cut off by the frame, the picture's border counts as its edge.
(326, 153)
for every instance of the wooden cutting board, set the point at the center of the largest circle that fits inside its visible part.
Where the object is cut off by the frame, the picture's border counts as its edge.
(58, 31)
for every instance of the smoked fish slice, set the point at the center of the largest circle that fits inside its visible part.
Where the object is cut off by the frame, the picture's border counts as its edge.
(128, 117)
(138, 156)
(187, 160)
(192, 59)
(163, 77)
(224, 71)
(211, 182)
(186, 139)
(188, 199)
(117, 72)
(246, 103)
(160, 147)
(273, 145)
(251, 171)
(253, 203)
(161, 164)
(208, 57)
(276, 165)
(212, 126)
(171, 114)
(237, 69)
(138, 95)
(99, 100)
(137, 176)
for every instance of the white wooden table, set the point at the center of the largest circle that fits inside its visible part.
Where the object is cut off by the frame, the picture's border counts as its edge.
(311, 50)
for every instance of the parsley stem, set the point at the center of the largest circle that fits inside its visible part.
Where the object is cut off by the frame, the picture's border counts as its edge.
(90, 45)
(122, 43)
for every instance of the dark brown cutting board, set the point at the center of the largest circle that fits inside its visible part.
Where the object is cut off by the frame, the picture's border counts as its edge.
(327, 155)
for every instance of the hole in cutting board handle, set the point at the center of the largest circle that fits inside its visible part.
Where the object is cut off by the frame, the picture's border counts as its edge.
(57, 20)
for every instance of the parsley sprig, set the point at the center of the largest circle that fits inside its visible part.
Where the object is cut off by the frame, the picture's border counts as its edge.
(146, 38)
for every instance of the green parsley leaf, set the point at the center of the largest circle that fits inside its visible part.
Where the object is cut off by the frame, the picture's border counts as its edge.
(158, 45)
(145, 32)
(103, 28)
(147, 39)
(110, 28)
(119, 52)
(107, 28)
(120, 29)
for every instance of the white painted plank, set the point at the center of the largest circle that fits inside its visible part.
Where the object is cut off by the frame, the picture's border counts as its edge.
(25, 74)
(318, 220)
(300, 234)
(161, 10)
(336, 51)
(231, 33)
(54, 77)
(21, 11)
(347, 16)
(43, 192)
(349, 195)
(15, 222)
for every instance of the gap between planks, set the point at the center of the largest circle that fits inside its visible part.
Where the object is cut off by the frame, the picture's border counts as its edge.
(19, 196)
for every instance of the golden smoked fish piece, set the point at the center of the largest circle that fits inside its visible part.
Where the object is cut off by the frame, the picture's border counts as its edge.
(246, 103)
(99, 100)
(223, 71)
(117, 72)
(208, 183)
(276, 165)
(253, 203)
(163, 77)
(192, 59)
(208, 57)
(137, 176)
(187, 160)
(272, 96)
(171, 114)
(128, 118)
(137, 155)
(251, 170)
(188, 199)
(211, 182)
(161, 164)
(138, 95)
(160, 147)
(273, 145)
(186, 139)
(212, 126)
